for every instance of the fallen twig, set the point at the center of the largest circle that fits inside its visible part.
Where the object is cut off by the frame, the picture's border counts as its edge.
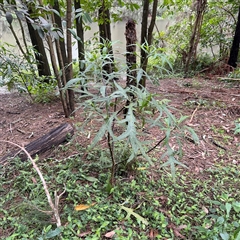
(54, 207)
(21, 131)
(193, 113)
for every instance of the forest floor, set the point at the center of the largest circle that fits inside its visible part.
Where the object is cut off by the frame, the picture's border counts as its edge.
(213, 107)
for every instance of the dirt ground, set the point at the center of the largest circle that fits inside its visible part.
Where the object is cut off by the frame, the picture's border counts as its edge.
(213, 106)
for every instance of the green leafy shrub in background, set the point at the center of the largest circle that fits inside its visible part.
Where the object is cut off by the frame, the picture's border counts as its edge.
(17, 73)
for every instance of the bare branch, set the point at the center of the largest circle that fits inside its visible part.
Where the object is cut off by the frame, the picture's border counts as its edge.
(53, 207)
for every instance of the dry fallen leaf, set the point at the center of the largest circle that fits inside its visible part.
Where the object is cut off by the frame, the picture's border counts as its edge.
(177, 229)
(153, 233)
(205, 209)
(82, 207)
(109, 234)
(34, 180)
(84, 234)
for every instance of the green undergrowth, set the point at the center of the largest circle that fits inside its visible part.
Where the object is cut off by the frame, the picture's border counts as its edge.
(146, 202)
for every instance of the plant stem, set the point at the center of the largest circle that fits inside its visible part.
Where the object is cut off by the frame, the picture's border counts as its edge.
(113, 169)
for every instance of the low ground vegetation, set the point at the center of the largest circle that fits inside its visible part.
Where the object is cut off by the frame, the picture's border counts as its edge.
(145, 202)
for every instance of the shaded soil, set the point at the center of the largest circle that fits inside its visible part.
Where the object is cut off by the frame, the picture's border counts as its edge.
(213, 106)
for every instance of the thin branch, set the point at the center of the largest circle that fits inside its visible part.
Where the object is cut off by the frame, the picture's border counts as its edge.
(110, 147)
(151, 149)
(53, 207)
(193, 114)
(157, 144)
(230, 13)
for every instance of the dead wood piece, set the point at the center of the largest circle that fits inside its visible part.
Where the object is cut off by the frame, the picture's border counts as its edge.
(44, 143)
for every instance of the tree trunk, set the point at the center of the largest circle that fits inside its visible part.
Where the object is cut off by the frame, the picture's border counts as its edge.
(191, 56)
(144, 39)
(38, 45)
(40, 53)
(131, 59)
(146, 35)
(235, 45)
(105, 38)
(43, 144)
(58, 22)
(80, 34)
(69, 69)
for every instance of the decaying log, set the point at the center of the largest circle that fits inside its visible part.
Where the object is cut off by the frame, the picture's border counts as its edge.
(43, 144)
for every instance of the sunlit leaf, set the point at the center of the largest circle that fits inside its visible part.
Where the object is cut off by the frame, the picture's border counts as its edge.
(141, 168)
(82, 207)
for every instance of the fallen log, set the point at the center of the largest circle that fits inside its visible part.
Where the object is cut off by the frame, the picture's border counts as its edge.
(43, 144)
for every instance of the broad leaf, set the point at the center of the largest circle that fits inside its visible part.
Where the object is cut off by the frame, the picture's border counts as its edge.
(137, 216)
(99, 135)
(53, 233)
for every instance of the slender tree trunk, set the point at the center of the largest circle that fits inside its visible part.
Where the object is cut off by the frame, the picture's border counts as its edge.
(58, 22)
(105, 38)
(69, 69)
(235, 45)
(192, 52)
(144, 38)
(146, 35)
(80, 34)
(131, 59)
(63, 97)
(153, 21)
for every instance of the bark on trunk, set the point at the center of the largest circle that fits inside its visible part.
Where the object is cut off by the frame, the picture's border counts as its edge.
(146, 35)
(144, 39)
(43, 144)
(58, 21)
(69, 69)
(192, 52)
(235, 45)
(80, 34)
(40, 54)
(131, 59)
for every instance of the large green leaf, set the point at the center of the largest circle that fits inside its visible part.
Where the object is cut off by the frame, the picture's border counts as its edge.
(99, 135)
(130, 212)
(53, 233)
